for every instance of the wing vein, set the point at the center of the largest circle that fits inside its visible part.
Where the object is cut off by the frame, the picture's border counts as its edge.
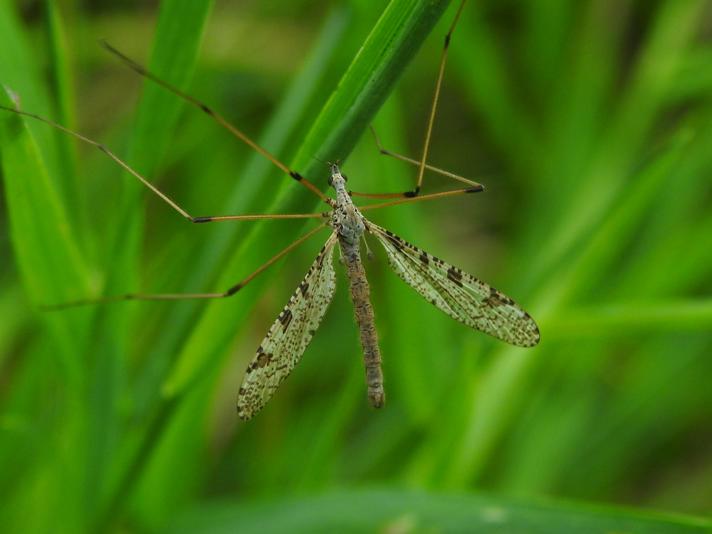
(460, 295)
(290, 334)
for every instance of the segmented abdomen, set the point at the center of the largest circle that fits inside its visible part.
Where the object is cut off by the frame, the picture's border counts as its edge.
(361, 297)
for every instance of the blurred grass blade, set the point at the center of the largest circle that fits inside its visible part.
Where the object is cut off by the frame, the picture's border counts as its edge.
(493, 92)
(63, 89)
(20, 73)
(396, 511)
(496, 399)
(176, 44)
(654, 77)
(630, 319)
(45, 249)
(178, 35)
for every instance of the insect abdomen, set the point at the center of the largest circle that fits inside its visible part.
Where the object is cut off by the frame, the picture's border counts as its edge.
(361, 297)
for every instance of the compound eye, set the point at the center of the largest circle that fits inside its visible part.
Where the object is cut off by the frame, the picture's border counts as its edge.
(331, 180)
(346, 178)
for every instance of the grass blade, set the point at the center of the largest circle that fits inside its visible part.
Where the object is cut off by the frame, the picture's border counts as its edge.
(389, 510)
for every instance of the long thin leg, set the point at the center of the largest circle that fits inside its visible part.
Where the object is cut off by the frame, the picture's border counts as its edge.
(222, 121)
(259, 217)
(419, 198)
(436, 96)
(422, 163)
(408, 194)
(189, 296)
(168, 200)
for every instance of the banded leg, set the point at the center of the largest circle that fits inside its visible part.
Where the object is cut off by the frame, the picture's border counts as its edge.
(409, 194)
(189, 296)
(436, 96)
(431, 196)
(163, 196)
(422, 163)
(222, 121)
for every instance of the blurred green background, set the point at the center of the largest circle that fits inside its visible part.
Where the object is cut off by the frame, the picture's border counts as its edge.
(590, 123)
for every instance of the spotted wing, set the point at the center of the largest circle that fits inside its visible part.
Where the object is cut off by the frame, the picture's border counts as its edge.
(460, 295)
(286, 340)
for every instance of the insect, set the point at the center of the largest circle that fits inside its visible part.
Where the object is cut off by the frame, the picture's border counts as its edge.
(458, 294)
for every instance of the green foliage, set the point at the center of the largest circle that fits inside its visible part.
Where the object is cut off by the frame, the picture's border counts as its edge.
(409, 511)
(589, 123)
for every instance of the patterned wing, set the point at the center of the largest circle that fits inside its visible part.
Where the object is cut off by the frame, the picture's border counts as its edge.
(460, 295)
(284, 344)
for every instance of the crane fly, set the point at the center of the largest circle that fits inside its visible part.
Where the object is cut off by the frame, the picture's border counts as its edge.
(460, 295)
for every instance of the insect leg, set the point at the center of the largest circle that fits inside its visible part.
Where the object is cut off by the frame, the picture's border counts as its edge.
(163, 196)
(436, 96)
(189, 296)
(408, 194)
(431, 196)
(222, 121)
(422, 162)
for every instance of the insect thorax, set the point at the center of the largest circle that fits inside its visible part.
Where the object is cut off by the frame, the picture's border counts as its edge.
(346, 219)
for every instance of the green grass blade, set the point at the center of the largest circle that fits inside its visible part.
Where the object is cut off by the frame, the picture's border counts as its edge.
(655, 75)
(177, 40)
(63, 90)
(389, 510)
(49, 263)
(44, 246)
(496, 400)
(632, 319)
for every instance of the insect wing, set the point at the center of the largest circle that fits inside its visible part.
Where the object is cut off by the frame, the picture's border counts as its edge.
(460, 295)
(289, 336)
